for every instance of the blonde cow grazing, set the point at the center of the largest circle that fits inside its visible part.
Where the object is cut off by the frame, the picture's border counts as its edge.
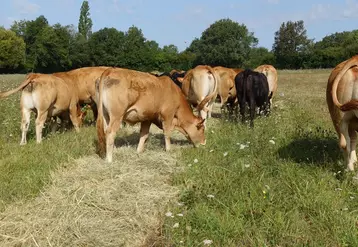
(271, 74)
(342, 100)
(226, 87)
(133, 96)
(47, 96)
(83, 80)
(200, 88)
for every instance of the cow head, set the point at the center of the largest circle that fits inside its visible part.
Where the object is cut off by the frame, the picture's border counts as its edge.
(196, 133)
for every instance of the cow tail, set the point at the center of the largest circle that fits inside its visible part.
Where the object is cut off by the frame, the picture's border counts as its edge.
(100, 118)
(213, 94)
(348, 106)
(185, 85)
(28, 79)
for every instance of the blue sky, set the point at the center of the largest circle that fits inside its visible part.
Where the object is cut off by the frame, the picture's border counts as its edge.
(179, 22)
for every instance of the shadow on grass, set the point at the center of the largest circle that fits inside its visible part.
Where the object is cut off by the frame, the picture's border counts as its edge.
(313, 151)
(173, 141)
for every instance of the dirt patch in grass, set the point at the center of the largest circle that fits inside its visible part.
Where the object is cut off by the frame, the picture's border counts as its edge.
(93, 203)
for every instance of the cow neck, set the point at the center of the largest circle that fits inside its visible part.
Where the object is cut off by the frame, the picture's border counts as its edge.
(185, 115)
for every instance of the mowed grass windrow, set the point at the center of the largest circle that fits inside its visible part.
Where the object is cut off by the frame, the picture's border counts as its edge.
(279, 184)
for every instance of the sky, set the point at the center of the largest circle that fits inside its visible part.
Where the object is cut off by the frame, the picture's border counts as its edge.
(179, 22)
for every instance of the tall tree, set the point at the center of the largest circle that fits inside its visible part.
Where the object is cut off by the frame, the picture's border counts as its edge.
(291, 46)
(85, 22)
(106, 47)
(225, 43)
(12, 51)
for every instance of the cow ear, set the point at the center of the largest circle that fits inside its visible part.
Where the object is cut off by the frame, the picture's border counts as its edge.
(180, 79)
(201, 123)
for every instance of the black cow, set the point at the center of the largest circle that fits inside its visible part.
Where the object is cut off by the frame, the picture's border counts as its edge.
(174, 76)
(252, 87)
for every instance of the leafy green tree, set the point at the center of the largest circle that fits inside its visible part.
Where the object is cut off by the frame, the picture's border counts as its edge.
(29, 31)
(85, 21)
(291, 46)
(334, 48)
(259, 56)
(12, 51)
(79, 51)
(225, 43)
(106, 47)
(52, 49)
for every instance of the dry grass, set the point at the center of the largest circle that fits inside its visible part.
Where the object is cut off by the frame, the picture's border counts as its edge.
(92, 203)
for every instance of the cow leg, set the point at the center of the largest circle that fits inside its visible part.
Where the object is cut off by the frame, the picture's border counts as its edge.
(94, 110)
(111, 130)
(242, 111)
(25, 122)
(144, 133)
(40, 121)
(252, 112)
(74, 117)
(352, 155)
(210, 109)
(345, 131)
(343, 146)
(167, 129)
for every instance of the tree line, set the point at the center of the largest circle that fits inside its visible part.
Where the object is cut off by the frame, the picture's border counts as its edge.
(35, 45)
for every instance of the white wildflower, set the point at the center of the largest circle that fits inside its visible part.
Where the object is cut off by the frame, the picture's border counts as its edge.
(176, 225)
(345, 209)
(210, 196)
(225, 154)
(189, 165)
(212, 131)
(196, 160)
(207, 242)
(212, 150)
(351, 197)
(169, 214)
(338, 189)
(242, 146)
(180, 204)
(180, 215)
(247, 165)
(272, 141)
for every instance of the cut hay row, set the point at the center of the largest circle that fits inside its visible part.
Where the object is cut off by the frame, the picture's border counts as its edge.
(93, 203)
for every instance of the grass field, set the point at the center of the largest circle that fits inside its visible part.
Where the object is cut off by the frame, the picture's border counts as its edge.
(279, 184)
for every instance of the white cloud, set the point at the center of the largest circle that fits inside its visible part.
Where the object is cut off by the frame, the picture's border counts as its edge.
(351, 9)
(25, 6)
(320, 11)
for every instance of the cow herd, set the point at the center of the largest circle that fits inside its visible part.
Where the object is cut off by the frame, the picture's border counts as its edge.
(169, 100)
(118, 95)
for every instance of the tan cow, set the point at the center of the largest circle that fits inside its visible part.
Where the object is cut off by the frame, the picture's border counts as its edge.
(133, 96)
(83, 80)
(271, 73)
(200, 88)
(226, 86)
(47, 96)
(342, 100)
